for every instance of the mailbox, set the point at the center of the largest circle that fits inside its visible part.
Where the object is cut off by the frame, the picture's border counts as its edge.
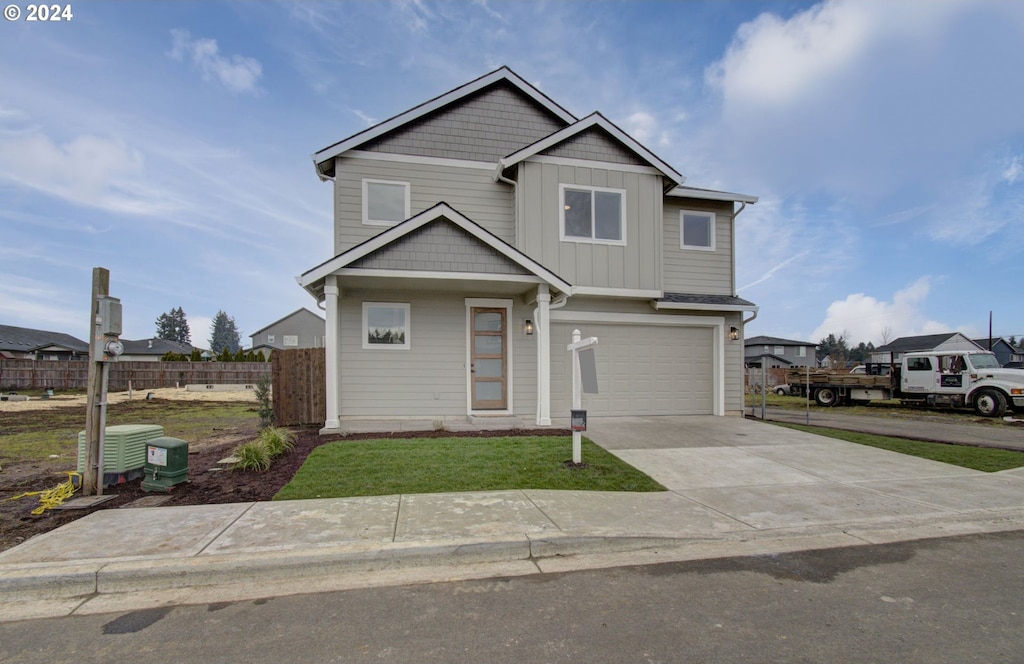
(166, 464)
(578, 420)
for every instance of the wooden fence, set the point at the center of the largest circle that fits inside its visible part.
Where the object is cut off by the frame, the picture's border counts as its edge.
(64, 375)
(300, 386)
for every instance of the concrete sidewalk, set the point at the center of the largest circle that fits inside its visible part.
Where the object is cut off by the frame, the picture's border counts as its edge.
(736, 487)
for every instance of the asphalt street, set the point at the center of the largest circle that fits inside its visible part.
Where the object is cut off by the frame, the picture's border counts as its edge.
(945, 600)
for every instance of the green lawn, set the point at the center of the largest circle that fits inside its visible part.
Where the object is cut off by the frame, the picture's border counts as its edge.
(436, 465)
(978, 458)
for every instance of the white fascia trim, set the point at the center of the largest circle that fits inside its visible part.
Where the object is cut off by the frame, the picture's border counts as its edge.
(670, 306)
(425, 217)
(426, 161)
(586, 163)
(708, 195)
(638, 293)
(417, 274)
(436, 103)
(716, 323)
(593, 120)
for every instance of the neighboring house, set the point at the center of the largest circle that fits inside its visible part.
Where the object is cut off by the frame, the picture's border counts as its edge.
(300, 329)
(894, 350)
(151, 350)
(1004, 350)
(22, 343)
(472, 235)
(779, 353)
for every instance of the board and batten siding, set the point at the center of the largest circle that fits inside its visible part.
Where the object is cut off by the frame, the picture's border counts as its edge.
(637, 265)
(693, 270)
(471, 191)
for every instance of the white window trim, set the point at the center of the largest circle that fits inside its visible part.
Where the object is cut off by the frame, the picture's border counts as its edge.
(366, 202)
(712, 222)
(591, 240)
(408, 326)
(271, 338)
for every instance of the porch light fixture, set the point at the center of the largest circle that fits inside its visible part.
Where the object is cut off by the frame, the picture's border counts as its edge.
(528, 327)
(734, 333)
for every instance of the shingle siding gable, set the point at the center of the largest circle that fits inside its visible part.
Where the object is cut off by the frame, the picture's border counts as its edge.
(484, 127)
(595, 145)
(440, 246)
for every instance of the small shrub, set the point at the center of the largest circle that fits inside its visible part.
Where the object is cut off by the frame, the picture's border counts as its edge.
(276, 441)
(252, 456)
(266, 406)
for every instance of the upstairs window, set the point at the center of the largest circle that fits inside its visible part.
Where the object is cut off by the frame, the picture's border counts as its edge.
(801, 351)
(697, 230)
(385, 203)
(591, 214)
(270, 338)
(779, 350)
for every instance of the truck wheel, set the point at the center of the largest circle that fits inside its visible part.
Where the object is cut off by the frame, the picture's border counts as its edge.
(990, 403)
(781, 392)
(826, 396)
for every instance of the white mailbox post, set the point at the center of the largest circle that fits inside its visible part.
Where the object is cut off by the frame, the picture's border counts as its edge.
(584, 379)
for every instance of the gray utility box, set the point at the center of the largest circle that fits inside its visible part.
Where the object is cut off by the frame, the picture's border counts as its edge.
(166, 464)
(124, 451)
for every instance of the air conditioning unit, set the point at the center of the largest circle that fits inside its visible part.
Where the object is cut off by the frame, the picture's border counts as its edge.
(124, 451)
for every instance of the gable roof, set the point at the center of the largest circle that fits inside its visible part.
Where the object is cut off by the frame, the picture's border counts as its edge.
(311, 279)
(284, 318)
(995, 342)
(919, 343)
(155, 346)
(324, 157)
(27, 340)
(595, 119)
(776, 341)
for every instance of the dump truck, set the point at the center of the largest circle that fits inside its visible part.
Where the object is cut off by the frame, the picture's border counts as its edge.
(947, 379)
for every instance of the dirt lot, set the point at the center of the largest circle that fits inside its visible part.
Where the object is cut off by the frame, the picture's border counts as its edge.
(209, 482)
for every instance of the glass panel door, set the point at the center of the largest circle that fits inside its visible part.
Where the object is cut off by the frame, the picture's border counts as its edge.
(488, 365)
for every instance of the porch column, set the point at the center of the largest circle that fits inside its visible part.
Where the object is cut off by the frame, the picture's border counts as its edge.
(332, 351)
(543, 356)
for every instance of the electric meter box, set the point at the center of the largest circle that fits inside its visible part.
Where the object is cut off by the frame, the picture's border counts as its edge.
(166, 464)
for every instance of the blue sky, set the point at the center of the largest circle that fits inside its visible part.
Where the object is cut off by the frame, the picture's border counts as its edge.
(170, 142)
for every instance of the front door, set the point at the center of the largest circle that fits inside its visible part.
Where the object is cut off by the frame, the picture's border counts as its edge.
(488, 365)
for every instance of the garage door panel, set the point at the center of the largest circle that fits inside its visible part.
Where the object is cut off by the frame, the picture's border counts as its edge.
(641, 370)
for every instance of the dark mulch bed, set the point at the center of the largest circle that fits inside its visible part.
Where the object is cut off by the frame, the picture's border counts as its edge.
(209, 482)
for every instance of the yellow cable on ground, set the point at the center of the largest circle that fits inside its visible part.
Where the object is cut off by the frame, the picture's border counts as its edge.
(51, 498)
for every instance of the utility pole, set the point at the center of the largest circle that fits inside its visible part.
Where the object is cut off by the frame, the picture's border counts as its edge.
(104, 346)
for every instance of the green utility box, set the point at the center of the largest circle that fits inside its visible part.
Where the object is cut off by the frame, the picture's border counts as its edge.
(124, 451)
(166, 464)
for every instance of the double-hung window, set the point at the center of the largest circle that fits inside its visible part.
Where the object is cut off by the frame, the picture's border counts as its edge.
(697, 230)
(593, 214)
(385, 203)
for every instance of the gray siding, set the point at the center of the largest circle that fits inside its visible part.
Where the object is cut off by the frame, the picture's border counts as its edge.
(485, 127)
(635, 265)
(440, 246)
(694, 271)
(595, 145)
(307, 326)
(471, 191)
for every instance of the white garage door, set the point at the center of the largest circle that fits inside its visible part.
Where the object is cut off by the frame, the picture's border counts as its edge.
(641, 370)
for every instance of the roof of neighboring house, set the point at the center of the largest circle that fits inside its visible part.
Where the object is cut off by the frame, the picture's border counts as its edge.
(912, 344)
(324, 158)
(764, 355)
(155, 346)
(27, 340)
(995, 340)
(776, 341)
(284, 318)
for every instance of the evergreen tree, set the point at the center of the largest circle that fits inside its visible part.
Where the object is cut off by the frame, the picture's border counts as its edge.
(224, 334)
(835, 349)
(173, 326)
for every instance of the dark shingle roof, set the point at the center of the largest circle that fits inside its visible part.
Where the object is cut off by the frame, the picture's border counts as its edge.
(26, 340)
(155, 347)
(694, 298)
(912, 344)
(775, 341)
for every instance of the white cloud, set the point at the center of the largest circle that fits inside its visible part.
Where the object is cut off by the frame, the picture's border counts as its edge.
(863, 318)
(1014, 171)
(237, 73)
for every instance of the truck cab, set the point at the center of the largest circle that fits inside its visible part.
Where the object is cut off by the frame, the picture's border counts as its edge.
(959, 379)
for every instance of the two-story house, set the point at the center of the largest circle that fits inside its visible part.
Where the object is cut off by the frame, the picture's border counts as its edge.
(300, 329)
(476, 231)
(776, 353)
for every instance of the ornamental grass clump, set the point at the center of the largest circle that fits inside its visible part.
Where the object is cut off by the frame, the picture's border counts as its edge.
(276, 440)
(252, 456)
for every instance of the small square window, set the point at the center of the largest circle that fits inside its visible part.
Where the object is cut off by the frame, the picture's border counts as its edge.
(385, 203)
(801, 351)
(271, 338)
(779, 350)
(386, 325)
(697, 230)
(590, 214)
(290, 340)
